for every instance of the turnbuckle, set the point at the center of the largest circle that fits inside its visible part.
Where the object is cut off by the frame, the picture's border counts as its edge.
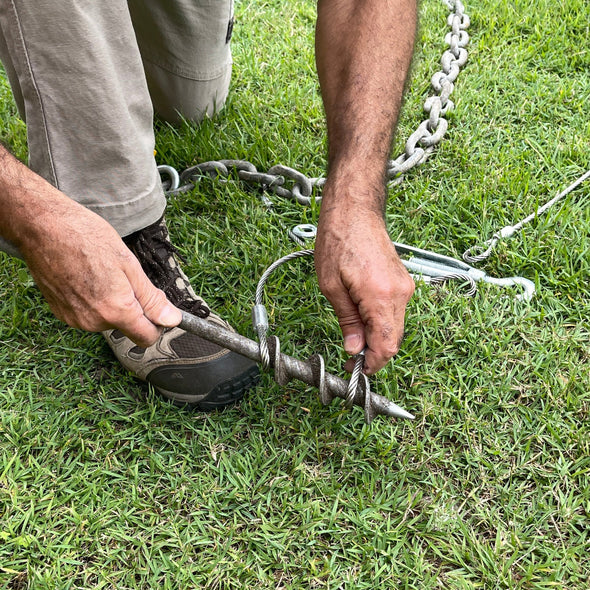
(430, 267)
(286, 368)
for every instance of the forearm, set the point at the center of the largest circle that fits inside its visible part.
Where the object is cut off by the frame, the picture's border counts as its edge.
(363, 54)
(5, 213)
(31, 207)
(25, 198)
(9, 173)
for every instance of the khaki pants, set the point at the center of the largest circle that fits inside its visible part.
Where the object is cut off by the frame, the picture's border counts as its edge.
(87, 77)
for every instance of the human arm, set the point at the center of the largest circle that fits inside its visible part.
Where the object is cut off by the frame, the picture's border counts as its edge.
(363, 54)
(88, 276)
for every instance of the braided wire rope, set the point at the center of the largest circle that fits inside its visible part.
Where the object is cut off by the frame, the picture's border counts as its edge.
(356, 375)
(481, 253)
(259, 315)
(469, 282)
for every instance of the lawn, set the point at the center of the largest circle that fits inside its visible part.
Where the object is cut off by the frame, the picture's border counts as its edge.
(103, 484)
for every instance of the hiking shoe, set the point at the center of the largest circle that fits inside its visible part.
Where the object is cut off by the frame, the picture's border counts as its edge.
(184, 368)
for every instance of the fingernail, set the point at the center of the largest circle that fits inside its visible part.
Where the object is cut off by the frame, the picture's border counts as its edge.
(169, 316)
(352, 343)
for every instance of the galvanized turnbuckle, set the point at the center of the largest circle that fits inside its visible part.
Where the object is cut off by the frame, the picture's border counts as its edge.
(432, 268)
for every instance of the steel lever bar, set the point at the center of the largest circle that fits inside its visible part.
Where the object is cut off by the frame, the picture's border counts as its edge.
(287, 367)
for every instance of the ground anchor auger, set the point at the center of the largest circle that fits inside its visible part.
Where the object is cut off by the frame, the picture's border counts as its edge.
(286, 368)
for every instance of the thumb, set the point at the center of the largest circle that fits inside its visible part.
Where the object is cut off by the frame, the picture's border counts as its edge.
(152, 300)
(165, 315)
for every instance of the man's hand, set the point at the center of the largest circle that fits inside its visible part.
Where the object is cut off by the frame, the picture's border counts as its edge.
(362, 276)
(92, 281)
(89, 277)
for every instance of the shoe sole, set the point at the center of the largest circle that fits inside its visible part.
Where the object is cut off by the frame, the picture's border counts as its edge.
(224, 394)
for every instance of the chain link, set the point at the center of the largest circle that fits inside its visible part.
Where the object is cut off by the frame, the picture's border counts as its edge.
(290, 183)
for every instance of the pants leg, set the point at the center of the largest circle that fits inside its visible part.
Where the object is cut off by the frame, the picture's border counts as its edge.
(77, 73)
(6, 61)
(185, 48)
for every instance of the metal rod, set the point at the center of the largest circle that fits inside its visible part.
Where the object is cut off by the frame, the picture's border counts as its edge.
(289, 367)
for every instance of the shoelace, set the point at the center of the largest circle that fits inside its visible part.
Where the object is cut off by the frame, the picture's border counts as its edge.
(153, 249)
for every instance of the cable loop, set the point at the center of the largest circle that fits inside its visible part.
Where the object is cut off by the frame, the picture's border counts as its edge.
(358, 385)
(354, 379)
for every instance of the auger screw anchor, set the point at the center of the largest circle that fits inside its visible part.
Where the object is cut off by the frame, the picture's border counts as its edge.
(311, 372)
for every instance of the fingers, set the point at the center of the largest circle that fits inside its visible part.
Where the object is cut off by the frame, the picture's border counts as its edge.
(384, 329)
(369, 289)
(139, 329)
(381, 345)
(143, 320)
(153, 302)
(351, 324)
(376, 321)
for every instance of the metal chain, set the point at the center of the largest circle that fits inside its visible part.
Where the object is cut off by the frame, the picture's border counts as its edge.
(430, 132)
(291, 183)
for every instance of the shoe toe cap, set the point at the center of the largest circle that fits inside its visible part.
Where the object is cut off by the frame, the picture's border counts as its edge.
(212, 384)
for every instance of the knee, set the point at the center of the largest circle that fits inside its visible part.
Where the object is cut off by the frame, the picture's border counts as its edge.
(176, 98)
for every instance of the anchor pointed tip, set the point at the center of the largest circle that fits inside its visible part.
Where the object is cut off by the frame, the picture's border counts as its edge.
(406, 415)
(396, 411)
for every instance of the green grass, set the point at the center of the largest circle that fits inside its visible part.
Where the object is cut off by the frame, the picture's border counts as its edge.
(105, 485)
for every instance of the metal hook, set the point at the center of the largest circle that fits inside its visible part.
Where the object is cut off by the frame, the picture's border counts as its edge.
(173, 176)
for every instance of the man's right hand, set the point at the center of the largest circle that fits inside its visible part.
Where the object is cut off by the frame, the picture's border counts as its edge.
(89, 277)
(92, 281)
(361, 274)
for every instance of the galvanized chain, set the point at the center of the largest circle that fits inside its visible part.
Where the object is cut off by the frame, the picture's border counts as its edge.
(291, 183)
(431, 131)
